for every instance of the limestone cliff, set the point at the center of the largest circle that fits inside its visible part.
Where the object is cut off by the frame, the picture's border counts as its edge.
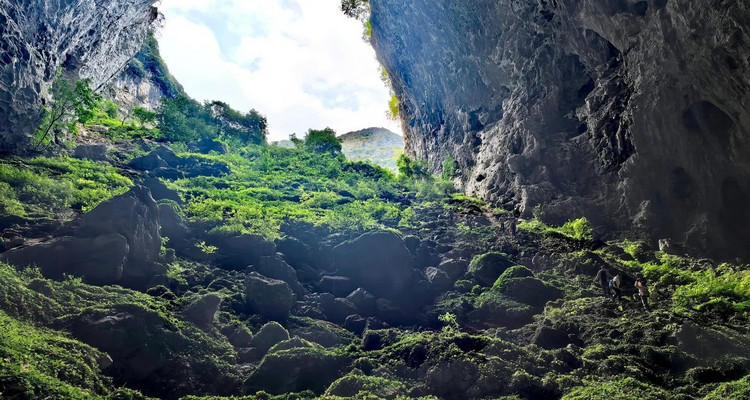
(145, 81)
(632, 113)
(86, 38)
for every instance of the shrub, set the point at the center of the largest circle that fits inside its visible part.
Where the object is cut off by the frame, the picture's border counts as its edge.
(323, 141)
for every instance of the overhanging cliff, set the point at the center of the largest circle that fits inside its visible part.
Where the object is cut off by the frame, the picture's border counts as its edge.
(86, 38)
(632, 113)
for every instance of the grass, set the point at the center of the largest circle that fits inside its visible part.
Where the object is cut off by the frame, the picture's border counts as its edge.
(43, 186)
(271, 185)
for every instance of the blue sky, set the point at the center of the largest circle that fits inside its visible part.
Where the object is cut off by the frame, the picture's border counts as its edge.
(303, 64)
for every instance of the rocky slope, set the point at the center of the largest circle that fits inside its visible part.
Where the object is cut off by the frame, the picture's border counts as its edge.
(344, 282)
(378, 145)
(86, 38)
(632, 113)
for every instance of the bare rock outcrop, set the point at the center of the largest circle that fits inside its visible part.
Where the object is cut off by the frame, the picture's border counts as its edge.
(631, 113)
(86, 38)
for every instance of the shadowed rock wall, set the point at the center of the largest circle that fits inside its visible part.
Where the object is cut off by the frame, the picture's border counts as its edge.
(632, 113)
(87, 38)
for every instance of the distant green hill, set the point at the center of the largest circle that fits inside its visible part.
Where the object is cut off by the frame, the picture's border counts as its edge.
(378, 145)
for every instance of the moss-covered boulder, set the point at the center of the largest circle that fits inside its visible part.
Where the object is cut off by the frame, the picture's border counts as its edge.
(486, 268)
(296, 370)
(268, 336)
(529, 290)
(271, 298)
(354, 385)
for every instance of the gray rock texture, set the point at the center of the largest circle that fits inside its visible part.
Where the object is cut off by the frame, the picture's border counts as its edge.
(631, 113)
(87, 38)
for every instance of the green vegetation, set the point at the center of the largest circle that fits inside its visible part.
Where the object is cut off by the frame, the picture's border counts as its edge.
(185, 120)
(449, 167)
(42, 186)
(71, 103)
(269, 185)
(578, 229)
(148, 63)
(625, 389)
(322, 141)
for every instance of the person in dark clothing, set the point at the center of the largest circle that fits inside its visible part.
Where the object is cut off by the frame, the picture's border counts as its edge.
(512, 227)
(602, 277)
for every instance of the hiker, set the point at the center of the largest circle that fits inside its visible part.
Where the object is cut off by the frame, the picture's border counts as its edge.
(614, 284)
(601, 278)
(643, 293)
(512, 227)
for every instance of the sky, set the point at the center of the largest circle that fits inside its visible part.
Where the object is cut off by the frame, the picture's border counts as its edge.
(302, 64)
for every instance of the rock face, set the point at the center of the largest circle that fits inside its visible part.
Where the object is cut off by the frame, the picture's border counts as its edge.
(117, 242)
(88, 39)
(631, 113)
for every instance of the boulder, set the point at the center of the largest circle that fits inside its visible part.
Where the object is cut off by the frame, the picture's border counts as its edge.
(160, 191)
(531, 291)
(167, 173)
(363, 300)
(206, 146)
(149, 162)
(390, 312)
(486, 268)
(237, 252)
(95, 152)
(426, 255)
(149, 352)
(377, 261)
(268, 297)
(268, 336)
(550, 338)
(439, 281)
(295, 251)
(337, 285)
(324, 333)
(455, 268)
(99, 260)
(355, 324)
(135, 216)
(172, 225)
(276, 268)
(412, 243)
(336, 309)
(296, 370)
(238, 335)
(169, 156)
(293, 343)
(202, 311)
(452, 378)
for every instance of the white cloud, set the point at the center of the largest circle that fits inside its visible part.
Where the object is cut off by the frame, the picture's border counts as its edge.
(301, 63)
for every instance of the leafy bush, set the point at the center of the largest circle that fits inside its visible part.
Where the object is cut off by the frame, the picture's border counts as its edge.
(323, 141)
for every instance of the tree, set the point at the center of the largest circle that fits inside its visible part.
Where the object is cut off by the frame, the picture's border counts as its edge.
(323, 141)
(71, 103)
(144, 116)
(410, 168)
(184, 119)
(449, 168)
(251, 127)
(359, 9)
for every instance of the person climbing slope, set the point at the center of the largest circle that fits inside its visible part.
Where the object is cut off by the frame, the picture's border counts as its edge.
(602, 277)
(614, 284)
(643, 292)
